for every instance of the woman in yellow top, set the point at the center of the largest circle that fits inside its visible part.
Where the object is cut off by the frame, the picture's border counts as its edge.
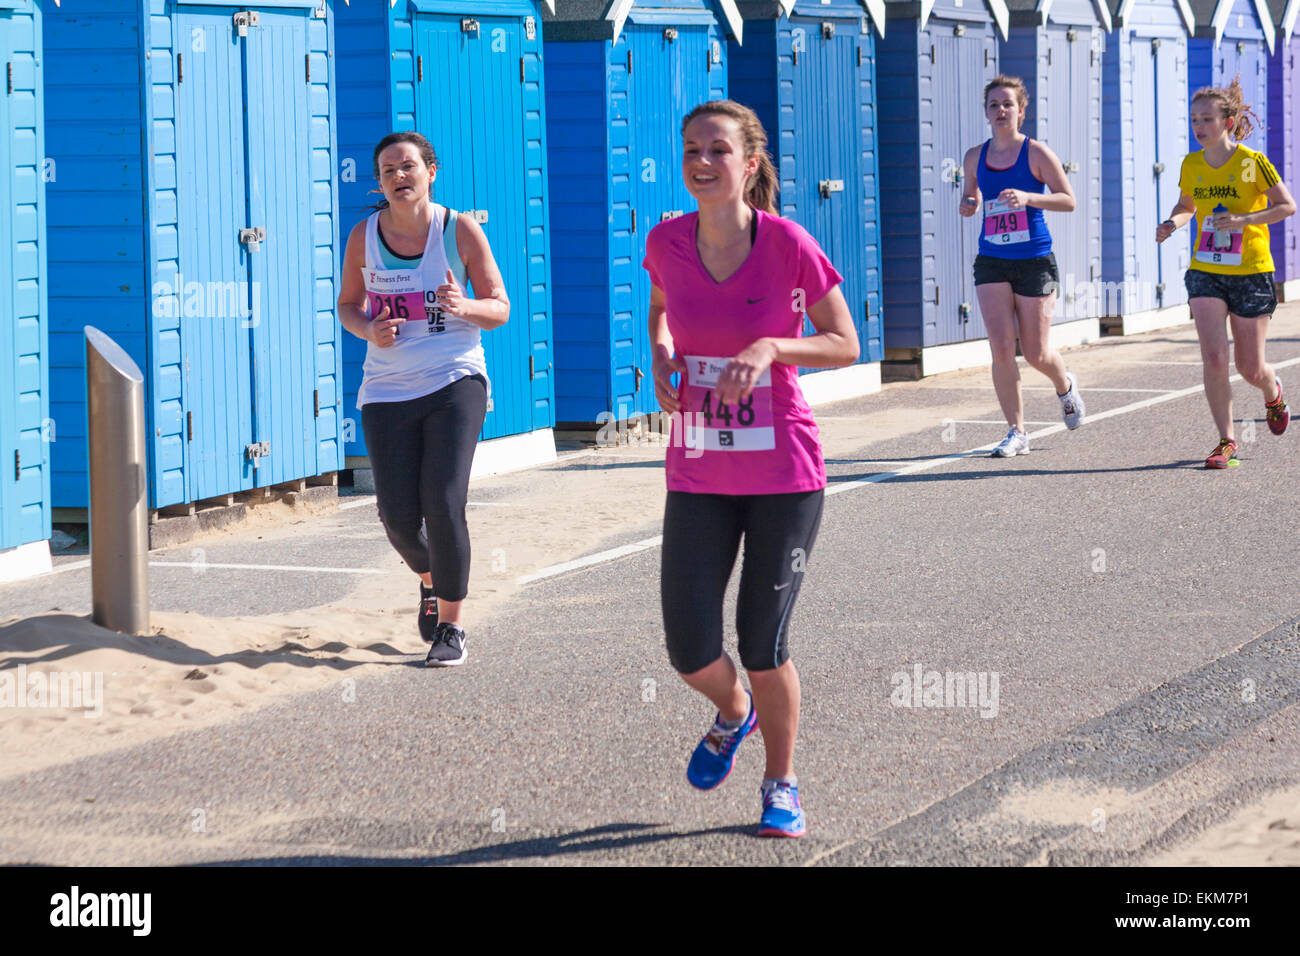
(1235, 193)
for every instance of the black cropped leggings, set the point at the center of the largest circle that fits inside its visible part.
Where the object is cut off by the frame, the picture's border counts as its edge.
(702, 534)
(420, 455)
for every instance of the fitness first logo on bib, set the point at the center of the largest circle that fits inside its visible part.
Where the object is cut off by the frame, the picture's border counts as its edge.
(711, 425)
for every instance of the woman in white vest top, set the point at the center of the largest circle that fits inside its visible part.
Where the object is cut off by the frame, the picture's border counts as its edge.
(425, 387)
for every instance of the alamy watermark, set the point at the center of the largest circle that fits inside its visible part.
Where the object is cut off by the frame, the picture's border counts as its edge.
(208, 300)
(946, 689)
(65, 690)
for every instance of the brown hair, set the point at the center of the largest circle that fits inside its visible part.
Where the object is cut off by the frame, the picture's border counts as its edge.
(760, 192)
(423, 145)
(1011, 83)
(1231, 106)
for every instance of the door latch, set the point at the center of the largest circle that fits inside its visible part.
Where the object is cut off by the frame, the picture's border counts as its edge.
(828, 186)
(257, 450)
(243, 20)
(478, 215)
(1157, 169)
(469, 25)
(253, 238)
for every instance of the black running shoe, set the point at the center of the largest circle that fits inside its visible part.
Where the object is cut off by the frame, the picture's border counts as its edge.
(448, 648)
(428, 614)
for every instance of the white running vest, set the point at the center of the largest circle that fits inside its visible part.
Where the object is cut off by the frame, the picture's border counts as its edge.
(432, 349)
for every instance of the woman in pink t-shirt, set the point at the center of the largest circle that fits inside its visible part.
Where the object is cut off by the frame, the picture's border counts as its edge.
(731, 285)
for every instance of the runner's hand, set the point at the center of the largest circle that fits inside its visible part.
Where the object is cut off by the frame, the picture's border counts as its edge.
(1226, 220)
(661, 370)
(1164, 231)
(383, 330)
(740, 376)
(968, 206)
(451, 297)
(1015, 198)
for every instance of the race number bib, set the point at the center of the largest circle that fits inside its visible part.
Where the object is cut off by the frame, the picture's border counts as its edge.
(711, 425)
(1220, 246)
(1004, 225)
(398, 290)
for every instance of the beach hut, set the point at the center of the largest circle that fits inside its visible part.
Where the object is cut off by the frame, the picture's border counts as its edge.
(1144, 140)
(808, 70)
(469, 77)
(1233, 38)
(931, 67)
(25, 428)
(1284, 139)
(619, 78)
(194, 219)
(1056, 47)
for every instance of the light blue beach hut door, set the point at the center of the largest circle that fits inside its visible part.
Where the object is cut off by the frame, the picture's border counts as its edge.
(245, 299)
(469, 102)
(9, 510)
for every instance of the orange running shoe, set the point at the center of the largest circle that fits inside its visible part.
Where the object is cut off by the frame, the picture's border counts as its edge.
(1278, 415)
(1224, 455)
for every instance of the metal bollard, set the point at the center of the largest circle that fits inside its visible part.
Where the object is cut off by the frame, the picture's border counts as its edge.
(119, 503)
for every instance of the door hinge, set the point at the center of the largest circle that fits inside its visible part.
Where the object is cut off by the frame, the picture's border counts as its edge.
(708, 62)
(189, 426)
(866, 310)
(634, 222)
(932, 54)
(795, 53)
(469, 25)
(307, 59)
(530, 28)
(1049, 57)
(521, 69)
(18, 465)
(256, 451)
(531, 368)
(1092, 56)
(9, 78)
(315, 403)
(180, 68)
(859, 56)
(936, 293)
(629, 62)
(639, 375)
(986, 57)
(253, 238)
(419, 69)
(243, 20)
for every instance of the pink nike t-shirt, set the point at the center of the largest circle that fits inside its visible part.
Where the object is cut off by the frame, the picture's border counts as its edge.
(768, 444)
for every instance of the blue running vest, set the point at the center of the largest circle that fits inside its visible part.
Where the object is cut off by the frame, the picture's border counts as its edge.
(1011, 233)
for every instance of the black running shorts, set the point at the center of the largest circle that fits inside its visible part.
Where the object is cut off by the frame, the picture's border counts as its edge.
(1035, 277)
(702, 534)
(1249, 296)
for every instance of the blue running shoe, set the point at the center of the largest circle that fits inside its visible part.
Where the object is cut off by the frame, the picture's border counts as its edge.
(782, 814)
(716, 753)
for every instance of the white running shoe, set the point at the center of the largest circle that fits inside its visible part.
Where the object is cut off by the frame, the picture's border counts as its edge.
(1016, 443)
(1072, 403)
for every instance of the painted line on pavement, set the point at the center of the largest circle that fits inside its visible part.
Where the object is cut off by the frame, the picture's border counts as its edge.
(646, 543)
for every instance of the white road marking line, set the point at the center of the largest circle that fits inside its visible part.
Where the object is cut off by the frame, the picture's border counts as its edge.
(646, 543)
(1152, 362)
(976, 421)
(357, 502)
(599, 558)
(263, 567)
(1042, 388)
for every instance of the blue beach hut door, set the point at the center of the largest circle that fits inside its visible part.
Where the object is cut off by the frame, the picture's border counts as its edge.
(245, 299)
(9, 509)
(469, 102)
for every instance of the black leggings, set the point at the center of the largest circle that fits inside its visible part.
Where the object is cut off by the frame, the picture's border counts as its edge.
(420, 455)
(701, 536)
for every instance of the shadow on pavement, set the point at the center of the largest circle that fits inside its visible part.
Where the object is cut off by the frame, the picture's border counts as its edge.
(613, 836)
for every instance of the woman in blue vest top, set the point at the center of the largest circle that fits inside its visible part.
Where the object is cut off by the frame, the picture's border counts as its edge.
(1016, 278)
(424, 390)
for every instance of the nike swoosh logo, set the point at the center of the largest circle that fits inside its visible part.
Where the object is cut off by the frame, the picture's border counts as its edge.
(778, 587)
